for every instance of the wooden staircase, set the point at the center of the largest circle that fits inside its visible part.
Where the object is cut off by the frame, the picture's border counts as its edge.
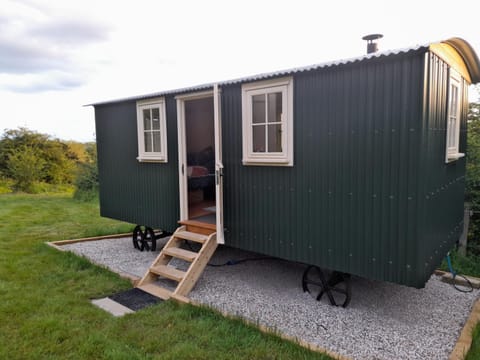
(190, 230)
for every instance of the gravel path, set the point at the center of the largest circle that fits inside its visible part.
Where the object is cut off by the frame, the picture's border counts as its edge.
(383, 320)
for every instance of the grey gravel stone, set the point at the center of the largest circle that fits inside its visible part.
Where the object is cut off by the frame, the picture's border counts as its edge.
(383, 320)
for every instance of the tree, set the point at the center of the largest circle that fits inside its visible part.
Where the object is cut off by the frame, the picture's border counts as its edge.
(26, 167)
(472, 191)
(56, 163)
(87, 178)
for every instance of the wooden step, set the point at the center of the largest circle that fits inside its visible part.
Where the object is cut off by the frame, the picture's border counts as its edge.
(187, 235)
(168, 271)
(156, 290)
(199, 227)
(181, 253)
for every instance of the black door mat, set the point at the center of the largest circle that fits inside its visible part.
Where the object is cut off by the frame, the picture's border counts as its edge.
(135, 299)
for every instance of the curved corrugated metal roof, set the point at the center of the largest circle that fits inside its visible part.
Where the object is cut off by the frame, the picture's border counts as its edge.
(463, 47)
(469, 56)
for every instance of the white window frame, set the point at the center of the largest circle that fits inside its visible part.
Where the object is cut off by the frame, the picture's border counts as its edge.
(284, 158)
(452, 152)
(150, 156)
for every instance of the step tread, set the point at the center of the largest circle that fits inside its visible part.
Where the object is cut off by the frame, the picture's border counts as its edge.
(156, 290)
(179, 253)
(188, 235)
(168, 272)
(199, 224)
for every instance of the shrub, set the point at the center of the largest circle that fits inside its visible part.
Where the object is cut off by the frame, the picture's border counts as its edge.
(87, 176)
(26, 168)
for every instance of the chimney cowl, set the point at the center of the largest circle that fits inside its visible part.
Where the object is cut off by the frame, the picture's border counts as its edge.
(372, 46)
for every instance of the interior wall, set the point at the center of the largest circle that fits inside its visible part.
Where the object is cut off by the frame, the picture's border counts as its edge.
(199, 124)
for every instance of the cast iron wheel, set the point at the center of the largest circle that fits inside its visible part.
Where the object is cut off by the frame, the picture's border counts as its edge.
(138, 238)
(149, 240)
(336, 285)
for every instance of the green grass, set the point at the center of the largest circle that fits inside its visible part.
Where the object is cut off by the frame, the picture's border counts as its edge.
(466, 265)
(45, 312)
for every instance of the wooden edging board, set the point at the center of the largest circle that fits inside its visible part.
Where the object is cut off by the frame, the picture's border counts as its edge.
(464, 342)
(265, 329)
(95, 238)
(58, 245)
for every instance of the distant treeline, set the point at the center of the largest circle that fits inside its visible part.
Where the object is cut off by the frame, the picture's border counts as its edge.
(33, 162)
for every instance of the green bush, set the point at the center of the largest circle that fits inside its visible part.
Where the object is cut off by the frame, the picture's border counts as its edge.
(29, 158)
(25, 167)
(6, 185)
(86, 182)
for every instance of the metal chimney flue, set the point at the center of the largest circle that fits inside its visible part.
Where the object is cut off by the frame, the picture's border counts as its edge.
(372, 46)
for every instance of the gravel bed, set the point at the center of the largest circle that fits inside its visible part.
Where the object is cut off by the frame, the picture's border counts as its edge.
(383, 320)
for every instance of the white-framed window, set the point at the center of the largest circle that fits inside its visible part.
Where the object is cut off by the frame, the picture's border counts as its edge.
(152, 130)
(267, 117)
(453, 117)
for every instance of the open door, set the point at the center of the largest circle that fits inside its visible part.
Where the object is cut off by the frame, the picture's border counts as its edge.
(200, 159)
(218, 163)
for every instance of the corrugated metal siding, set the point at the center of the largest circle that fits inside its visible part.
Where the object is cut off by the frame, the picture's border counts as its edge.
(349, 203)
(443, 184)
(140, 193)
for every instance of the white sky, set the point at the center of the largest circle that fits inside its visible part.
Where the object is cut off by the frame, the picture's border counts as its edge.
(57, 55)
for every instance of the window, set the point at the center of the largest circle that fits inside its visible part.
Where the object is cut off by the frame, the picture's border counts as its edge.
(267, 116)
(152, 130)
(453, 116)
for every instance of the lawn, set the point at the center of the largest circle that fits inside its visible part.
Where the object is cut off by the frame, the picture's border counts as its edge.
(45, 310)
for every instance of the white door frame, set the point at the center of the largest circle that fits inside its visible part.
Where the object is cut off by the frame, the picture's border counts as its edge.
(217, 118)
(182, 156)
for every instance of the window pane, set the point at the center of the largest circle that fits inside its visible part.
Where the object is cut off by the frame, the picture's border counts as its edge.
(452, 117)
(275, 107)
(148, 141)
(146, 119)
(258, 109)
(155, 119)
(259, 138)
(275, 138)
(452, 131)
(156, 141)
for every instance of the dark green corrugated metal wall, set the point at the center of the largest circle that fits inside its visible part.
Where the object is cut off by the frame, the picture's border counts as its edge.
(349, 203)
(443, 185)
(140, 193)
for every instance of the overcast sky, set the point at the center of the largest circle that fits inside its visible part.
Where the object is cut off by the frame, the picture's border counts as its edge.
(57, 55)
